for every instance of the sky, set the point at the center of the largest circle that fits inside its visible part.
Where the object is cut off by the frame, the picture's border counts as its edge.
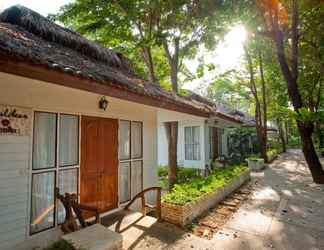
(43, 7)
(227, 55)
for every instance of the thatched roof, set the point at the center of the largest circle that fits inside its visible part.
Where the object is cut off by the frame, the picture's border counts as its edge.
(51, 32)
(221, 111)
(31, 38)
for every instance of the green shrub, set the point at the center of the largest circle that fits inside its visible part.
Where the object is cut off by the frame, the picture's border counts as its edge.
(61, 245)
(162, 171)
(272, 153)
(187, 174)
(254, 157)
(190, 191)
(183, 174)
(294, 142)
(163, 183)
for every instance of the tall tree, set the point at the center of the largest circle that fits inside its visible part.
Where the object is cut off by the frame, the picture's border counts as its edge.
(260, 98)
(287, 38)
(183, 25)
(127, 26)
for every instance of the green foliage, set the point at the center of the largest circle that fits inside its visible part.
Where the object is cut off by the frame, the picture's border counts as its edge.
(183, 175)
(239, 144)
(254, 157)
(187, 174)
(294, 141)
(162, 171)
(191, 191)
(274, 144)
(136, 28)
(272, 153)
(125, 26)
(231, 89)
(61, 245)
(304, 115)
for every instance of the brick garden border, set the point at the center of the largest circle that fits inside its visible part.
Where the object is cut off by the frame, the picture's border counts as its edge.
(182, 215)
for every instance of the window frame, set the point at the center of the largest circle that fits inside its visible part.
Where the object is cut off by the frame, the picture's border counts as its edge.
(31, 202)
(56, 141)
(130, 181)
(131, 159)
(56, 169)
(78, 142)
(130, 140)
(192, 144)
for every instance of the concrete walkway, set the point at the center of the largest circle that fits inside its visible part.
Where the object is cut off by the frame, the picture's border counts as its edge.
(285, 211)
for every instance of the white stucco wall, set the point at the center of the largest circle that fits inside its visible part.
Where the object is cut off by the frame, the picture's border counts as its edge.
(42, 96)
(163, 144)
(204, 124)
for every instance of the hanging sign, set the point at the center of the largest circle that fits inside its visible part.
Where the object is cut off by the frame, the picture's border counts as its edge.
(14, 121)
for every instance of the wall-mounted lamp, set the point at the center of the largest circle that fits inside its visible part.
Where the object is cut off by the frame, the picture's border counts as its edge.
(103, 103)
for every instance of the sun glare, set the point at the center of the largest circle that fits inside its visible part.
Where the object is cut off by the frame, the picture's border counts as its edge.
(229, 52)
(227, 56)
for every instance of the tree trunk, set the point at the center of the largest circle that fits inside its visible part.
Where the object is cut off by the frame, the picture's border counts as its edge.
(173, 140)
(260, 133)
(320, 136)
(282, 135)
(173, 126)
(287, 131)
(309, 151)
(291, 77)
(264, 126)
(147, 54)
(261, 130)
(172, 135)
(174, 76)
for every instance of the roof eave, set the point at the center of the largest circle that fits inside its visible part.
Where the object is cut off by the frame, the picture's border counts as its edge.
(26, 68)
(228, 118)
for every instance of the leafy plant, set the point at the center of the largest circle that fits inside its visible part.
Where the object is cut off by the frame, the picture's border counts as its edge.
(254, 157)
(242, 142)
(184, 174)
(61, 245)
(191, 191)
(162, 171)
(272, 153)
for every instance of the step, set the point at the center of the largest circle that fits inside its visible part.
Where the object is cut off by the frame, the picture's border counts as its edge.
(95, 237)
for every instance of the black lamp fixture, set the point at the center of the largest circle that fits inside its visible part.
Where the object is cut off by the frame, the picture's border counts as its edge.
(103, 103)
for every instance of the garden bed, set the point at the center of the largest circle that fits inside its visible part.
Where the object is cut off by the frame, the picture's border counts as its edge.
(190, 200)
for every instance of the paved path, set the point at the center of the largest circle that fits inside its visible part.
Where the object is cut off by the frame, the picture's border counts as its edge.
(286, 211)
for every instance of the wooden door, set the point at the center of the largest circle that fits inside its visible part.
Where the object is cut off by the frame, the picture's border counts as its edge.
(99, 162)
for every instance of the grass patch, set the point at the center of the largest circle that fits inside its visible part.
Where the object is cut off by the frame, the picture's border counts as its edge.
(61, 245)
(191, 191)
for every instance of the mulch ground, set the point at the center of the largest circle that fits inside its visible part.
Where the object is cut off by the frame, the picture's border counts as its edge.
(214, 220)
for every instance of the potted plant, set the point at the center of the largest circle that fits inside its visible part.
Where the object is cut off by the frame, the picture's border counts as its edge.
(255, 163)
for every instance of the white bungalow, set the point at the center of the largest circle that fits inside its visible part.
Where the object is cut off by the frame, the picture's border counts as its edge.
(200, 140)
(73, 115)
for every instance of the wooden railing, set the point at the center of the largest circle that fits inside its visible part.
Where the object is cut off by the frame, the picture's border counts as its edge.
(144, 205)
